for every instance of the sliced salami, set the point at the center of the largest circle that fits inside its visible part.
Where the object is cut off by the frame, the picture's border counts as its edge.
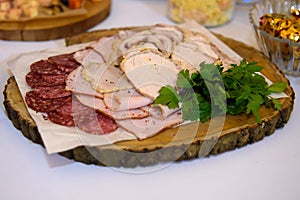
(45, 67)
(64, 120)
(65, 109)
(98, 125)
(44, 105)
(55, 79)
(64, 62)
(52, 92)
(35, 80)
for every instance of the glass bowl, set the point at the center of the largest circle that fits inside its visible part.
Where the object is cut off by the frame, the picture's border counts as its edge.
(283, 52)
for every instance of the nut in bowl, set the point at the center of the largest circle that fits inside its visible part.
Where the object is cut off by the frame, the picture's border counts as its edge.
(277, 30)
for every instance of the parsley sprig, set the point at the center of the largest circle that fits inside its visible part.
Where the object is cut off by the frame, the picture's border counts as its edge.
(213, 91)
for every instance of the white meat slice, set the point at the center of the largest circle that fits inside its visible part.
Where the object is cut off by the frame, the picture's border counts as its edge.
(149, 71)
(99, 105)
(190, 55)
(104, 46)
(161, 112)
(105, 78)
(150, 126)
(174, 33)
(86, 56)
(77, 84)
(125, 100)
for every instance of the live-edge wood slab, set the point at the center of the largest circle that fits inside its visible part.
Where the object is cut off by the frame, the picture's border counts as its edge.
(57, 27)
(178, 144)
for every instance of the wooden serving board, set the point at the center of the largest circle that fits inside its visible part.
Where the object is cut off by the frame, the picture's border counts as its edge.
(181, 143)
(54, 28)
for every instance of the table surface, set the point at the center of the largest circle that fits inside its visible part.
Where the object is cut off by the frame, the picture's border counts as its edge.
(269, 169)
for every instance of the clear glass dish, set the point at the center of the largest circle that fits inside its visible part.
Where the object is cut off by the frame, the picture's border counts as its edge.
(209, 13)
(283, 52)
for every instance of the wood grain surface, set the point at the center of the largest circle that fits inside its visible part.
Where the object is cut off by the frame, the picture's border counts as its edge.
(54, 28)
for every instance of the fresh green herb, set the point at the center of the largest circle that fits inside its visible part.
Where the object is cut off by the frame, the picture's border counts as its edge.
(213, 91)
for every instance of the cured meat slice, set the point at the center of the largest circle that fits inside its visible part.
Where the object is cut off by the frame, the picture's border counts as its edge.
(51, 92)
(44, 105)
(86, 56)
(149, 71)
(64, 62)
(125, 100)
(45, 67)
(161, 112)
(105, 48)
(34, 80)
(98, 125)
(190, 55)
(150, 126)
(99, 105)
(58, 118)
(77, 84)
(66, 109)
(105, 78)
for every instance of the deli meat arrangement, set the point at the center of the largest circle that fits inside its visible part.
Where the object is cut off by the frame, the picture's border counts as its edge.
(111, 84)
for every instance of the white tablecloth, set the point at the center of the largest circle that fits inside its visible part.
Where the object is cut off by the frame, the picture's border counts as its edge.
(269, 169)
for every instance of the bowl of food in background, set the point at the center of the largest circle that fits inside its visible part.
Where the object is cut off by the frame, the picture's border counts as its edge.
(277, 29)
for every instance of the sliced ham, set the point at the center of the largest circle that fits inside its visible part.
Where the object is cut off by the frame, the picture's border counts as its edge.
(99, 105)
(149, 71)
(161, 112)
(125, 100)
(105, 47)
(189, 54)
(86, 56)
(105, 78)
(77, 84)
(150, 126)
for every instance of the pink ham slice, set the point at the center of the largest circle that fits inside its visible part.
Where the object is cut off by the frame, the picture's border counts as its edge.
(125, 100)
(149, 71)
(99, 105)
(105, 78)
(105, 47)
(77, 84)
(150, 126)
(161, 112)
(86, 56)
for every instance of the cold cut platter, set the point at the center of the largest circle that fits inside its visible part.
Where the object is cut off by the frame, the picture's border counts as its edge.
(75, 104)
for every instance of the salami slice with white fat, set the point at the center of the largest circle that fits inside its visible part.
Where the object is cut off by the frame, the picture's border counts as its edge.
(58, 118)
(34, 80)
(45, 67)
(44, 105)
(64, 62)
(51, 92)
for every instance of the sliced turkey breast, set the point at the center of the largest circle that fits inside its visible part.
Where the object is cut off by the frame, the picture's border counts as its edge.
(189, 54)
(86, 56)
(98, 104)
(149, 71)
(161, 112)
(77, 84)
(105, 78)
(125, 100)
(150, 126)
